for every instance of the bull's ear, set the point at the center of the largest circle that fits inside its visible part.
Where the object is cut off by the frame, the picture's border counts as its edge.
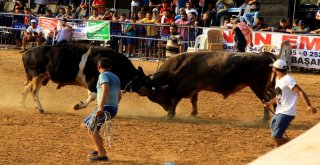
(140, 69)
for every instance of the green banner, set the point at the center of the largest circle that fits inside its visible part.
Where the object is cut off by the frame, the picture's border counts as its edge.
(98, 30)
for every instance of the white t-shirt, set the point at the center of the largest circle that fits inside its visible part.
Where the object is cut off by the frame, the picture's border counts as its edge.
(36, 30)
(286, 97)
(134, 3)
(191, 10)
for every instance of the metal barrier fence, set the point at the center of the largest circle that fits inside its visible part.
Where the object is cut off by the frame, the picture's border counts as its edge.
(11, 27)
(141, 44)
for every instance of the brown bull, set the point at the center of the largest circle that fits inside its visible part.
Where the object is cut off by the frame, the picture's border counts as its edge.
(185, 75)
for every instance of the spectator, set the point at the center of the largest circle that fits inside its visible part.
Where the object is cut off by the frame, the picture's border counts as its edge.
(246, 31)
(123, 42)
(19, 5)
(107, 16)
(131, 31)
(184, 21)
(166, 19)
(62, 13)
(317, 18)
(165, 6)
(253, 13)
(301, 28)
(65, 32)
(260, 25)
(34, 33)
(42, 6)
(194, 23)
(99, 5)
(181, 10)
(69, 14)
(239, 39)
(84, 4)
(222, 9)
(151, 32)
(207, 21)
(85, 16)
(175, 43)
(155, 14)
(134, 8)
(29, 16)
(49, 14)
(189, 8)
(95, 15)
(284, 24)
(18, 22)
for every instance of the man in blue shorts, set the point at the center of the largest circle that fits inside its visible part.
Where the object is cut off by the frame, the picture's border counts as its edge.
(286, 99)
(108, 98)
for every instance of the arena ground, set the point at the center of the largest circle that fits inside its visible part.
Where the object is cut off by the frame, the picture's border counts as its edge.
(225, 132)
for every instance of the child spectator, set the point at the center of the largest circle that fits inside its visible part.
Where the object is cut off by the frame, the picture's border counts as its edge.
(301, 28)
(131, 31)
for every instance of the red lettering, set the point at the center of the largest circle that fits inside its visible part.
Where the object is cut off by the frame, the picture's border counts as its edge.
(292, 39)
(258, 37)
(227, 35)
(306, 44)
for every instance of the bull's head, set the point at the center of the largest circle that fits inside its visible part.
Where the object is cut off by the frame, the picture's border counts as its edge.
(141, 83)
(162, 96)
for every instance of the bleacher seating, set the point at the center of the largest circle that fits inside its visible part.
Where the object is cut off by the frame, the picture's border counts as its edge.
(9, 7)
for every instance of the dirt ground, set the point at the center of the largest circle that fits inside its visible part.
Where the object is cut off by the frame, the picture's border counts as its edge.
(225, 132)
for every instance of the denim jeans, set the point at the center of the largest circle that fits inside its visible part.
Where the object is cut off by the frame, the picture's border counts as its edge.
(247, 17)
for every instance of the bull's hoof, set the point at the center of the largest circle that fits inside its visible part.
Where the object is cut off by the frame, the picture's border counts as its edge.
(76, 107)
(40, 110)
(170, 116)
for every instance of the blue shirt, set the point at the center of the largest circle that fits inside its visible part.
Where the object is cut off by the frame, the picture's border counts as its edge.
(114, 85)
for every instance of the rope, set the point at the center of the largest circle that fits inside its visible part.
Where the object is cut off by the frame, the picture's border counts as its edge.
(105, 128)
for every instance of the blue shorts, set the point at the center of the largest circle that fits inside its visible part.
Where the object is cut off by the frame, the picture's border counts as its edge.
(110, 111)
(279, 124)
(131, 41)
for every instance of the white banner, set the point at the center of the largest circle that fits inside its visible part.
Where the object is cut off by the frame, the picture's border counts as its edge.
(305, 50)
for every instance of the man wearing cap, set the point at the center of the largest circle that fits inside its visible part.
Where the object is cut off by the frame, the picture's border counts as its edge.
(33, 34)
(286, 100)
(65, 32)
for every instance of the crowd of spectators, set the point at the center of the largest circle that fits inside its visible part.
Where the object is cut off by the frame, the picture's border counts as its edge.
(189, 13)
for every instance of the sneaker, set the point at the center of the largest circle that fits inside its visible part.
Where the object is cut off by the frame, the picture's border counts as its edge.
(98, 158)
(93, 153)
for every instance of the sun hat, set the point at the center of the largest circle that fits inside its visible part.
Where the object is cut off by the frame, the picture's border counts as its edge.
(155, 10)
(280, 64)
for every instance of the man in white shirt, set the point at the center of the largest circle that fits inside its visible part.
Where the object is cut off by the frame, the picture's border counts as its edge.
(33, 34)
(287, 92)
(65, 32)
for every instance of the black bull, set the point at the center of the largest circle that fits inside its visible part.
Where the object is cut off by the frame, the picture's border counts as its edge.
(185, 75)
(76, 64)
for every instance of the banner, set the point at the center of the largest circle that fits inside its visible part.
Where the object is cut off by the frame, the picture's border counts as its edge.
(305, 50)
(82, 29)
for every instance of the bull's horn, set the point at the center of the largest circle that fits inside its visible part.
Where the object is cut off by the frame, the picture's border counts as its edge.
(164, 87)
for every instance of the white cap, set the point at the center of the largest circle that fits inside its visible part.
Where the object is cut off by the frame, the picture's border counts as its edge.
(155, 9)
(33, 21)
(280, 64)
(113, 9)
